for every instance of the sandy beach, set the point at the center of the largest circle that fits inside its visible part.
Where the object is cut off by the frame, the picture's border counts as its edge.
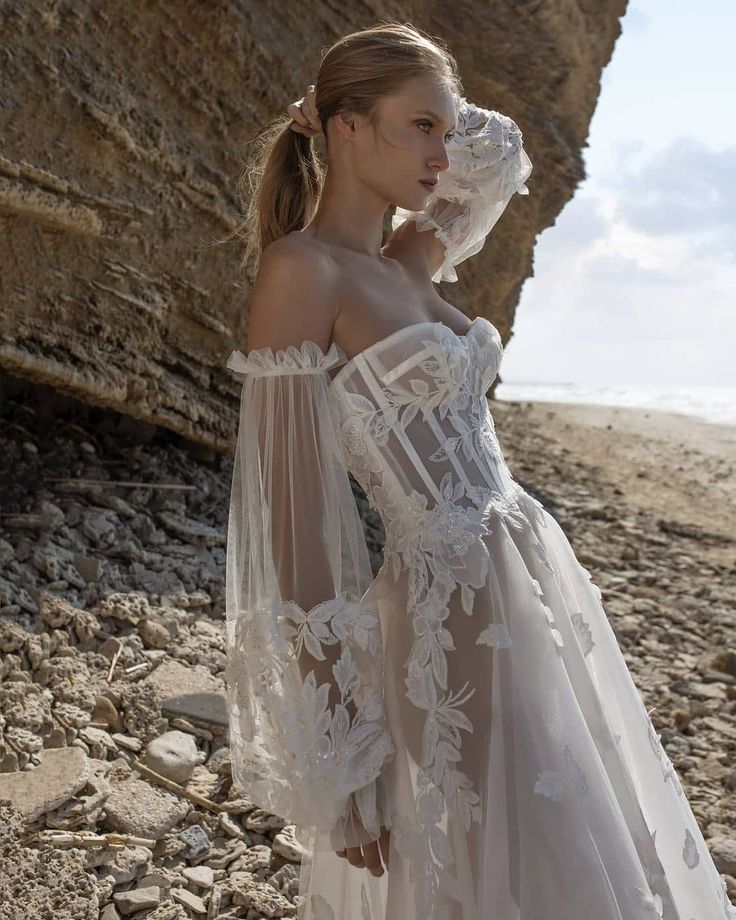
(675, 465)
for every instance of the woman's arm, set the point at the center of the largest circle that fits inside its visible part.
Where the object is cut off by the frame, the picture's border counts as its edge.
(305, 655)
(488, 164)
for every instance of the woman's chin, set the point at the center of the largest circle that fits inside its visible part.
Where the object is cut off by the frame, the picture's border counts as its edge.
(415, 202)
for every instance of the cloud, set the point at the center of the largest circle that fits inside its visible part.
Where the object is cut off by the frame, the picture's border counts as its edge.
(621, 293)
(620, 269)
(581, 222)
(635, 281)
(687, 189)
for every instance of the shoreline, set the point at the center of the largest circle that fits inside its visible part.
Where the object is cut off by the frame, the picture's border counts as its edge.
(670, 463)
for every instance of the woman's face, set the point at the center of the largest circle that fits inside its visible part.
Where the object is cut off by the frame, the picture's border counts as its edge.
(408, 142)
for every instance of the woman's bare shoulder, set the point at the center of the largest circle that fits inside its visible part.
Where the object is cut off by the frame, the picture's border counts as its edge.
(293, 296)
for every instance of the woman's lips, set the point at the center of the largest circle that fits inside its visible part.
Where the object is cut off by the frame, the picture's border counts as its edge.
(428, 185)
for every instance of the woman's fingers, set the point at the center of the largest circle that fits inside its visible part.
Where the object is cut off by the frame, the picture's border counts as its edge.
(304, 114)
(372, 856)
(301, 128)
(295, 110)
(355, 857)
(384, 842)
(366, 857)
(300, 119)
(309, 107)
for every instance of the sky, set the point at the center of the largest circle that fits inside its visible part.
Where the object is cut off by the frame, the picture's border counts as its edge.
(635, 284)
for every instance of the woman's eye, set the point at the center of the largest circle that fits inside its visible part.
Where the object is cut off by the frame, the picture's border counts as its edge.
(448, 137)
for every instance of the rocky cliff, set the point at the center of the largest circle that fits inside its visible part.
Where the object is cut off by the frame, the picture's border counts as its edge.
(122, 130)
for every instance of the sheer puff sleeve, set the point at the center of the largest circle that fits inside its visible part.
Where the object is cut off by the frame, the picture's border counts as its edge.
(304, 674)
(488, 164)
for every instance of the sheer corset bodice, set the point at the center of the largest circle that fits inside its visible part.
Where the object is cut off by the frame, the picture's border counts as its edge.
(414, 423)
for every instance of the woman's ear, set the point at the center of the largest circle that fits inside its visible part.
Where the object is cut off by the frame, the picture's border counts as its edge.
(345, 122)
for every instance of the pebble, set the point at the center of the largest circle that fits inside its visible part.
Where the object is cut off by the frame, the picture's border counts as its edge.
(286, 844)
(189, 899)
(173, 755)
(128, 902)
(154, 635)
(60, 774)
(127, 862)
(106, 712)
(196, 841)
(136, 807)
(202, 876)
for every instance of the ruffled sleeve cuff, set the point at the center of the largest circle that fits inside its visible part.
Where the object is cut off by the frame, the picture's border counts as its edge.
(486, 146)
(305, 359)
(487, 166)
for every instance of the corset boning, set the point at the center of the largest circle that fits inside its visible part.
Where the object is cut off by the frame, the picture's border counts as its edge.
(424, 439)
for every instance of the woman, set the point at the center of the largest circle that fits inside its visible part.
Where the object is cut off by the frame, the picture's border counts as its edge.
(458, 738)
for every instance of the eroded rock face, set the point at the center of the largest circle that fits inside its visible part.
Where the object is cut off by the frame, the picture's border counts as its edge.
(122, 135)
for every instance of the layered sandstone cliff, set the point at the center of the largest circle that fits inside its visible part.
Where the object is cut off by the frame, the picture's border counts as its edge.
(121, 135)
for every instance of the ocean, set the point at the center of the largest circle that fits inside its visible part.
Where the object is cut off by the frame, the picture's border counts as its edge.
(711, 403)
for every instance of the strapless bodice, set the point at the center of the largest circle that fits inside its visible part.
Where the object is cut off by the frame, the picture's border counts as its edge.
(416, 430)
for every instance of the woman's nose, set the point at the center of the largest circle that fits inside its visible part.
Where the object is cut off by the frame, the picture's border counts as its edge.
(440, 161)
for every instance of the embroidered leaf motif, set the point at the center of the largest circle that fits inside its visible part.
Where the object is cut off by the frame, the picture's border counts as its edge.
(495, 635)
(649, 900)
(583, 632)
(537, 587)
(365, 907)
(690, 854)
(562, 784)
(466, 596)
(408, 415)
(420, 387)
(320, 909)
(312, 630)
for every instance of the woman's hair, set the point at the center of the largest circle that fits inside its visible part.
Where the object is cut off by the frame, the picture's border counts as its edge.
(282, 178)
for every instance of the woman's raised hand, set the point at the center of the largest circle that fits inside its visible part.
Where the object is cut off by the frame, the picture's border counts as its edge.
(305, 119)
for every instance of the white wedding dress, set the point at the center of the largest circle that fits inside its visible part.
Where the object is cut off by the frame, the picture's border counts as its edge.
(472, 697)
(502, 738)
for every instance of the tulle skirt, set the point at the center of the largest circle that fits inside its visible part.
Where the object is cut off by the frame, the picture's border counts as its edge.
(529, 782)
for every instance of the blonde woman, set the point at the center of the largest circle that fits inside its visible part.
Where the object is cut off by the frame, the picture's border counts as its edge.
(458, 738)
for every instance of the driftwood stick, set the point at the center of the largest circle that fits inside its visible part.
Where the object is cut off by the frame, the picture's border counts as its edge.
(13, 745)
(81, 839)
(175, 787)
(114, 662)
(125, 483)
(137, 667)
(60, 719)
